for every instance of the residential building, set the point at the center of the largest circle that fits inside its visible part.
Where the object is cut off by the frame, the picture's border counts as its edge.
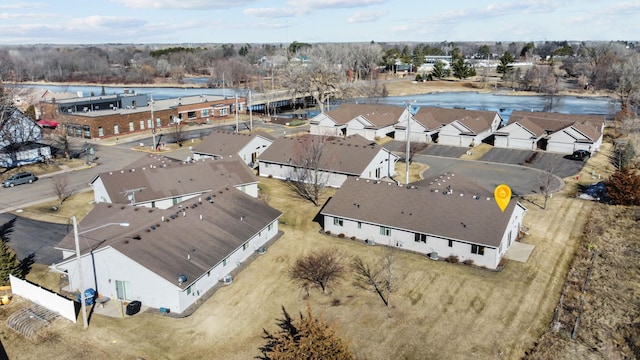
(553, 132)
(163, 183)
(166, 258)
(20, 138)
(223, 144)
(439, 220)
(335, 158)
(371, 121)
(424, 127)
(465, 127)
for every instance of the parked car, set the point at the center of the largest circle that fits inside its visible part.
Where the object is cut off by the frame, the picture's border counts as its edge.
(19, 179)
(580, 155)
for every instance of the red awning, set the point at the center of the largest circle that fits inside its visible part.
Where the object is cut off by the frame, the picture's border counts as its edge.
(48, 123)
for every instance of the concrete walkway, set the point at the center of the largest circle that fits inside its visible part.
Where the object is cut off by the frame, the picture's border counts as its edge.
(519, 252)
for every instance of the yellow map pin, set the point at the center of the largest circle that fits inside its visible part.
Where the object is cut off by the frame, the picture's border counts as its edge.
(502, 193)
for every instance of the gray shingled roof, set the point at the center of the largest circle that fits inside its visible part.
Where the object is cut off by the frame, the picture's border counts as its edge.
(379, 115)
(349, 155)
(476, 120)
(171, 179)
(223, 143)
(539, 122)
(427, 119)
(163, 247)
(466, 218)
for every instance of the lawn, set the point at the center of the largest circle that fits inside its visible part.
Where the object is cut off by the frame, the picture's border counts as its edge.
(438, 310)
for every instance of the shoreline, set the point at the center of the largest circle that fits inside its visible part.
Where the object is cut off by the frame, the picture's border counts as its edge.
(394, 87)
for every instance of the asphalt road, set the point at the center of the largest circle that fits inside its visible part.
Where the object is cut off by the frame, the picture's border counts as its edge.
(30, 238)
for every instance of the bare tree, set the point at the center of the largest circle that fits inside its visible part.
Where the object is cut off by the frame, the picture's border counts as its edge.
(319, 268)
(178, 131)
(546, 181)
(377, 276)
(628, 84)
(322, 77)
(311, 166)
(60, 187)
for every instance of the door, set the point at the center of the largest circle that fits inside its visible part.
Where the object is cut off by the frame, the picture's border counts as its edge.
(123, 290)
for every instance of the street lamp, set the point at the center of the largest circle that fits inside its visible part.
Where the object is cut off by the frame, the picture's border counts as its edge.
(76, 234)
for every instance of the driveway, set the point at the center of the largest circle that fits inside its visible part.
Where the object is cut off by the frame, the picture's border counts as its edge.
(33, 238)
(432, 149)
(522, 180)
(559, 164)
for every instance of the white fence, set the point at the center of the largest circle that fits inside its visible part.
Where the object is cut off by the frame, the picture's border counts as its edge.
(43, 297)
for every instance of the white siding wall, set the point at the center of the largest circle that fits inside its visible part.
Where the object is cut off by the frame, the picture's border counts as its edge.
(257, 145)
(100, 192)
(385, 161)
(561, 142)
(518, 138)
(283, 172)
(323, 125)
(406, 239)
(146, 286)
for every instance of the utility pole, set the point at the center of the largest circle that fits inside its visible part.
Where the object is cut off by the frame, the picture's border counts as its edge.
(237, 119)
(250, 114)
(407, 149)
(83, 305)
(153, 127)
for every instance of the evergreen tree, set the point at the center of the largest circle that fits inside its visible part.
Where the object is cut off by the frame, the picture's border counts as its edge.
(462, 70)
(439, 71)
(308, 337)
(9, 264)
(505, 66)
(623, 187)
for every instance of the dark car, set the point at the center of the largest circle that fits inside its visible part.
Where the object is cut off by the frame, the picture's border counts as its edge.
(19, 179)
(580, 155)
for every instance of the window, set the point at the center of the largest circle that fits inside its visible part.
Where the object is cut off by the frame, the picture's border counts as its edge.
(359, 224)
(270, 227)
(476, 249)
(123, 290)
(421, 238)
(115, 130)
(225, 261)
(141, 124)
(158, 122)
(191, 114)
(131, 127)
(86, 132)
(385, 231)
(204, 113)
(245, 246)
(189, 290)
(450, 243)
(149, 123)
(224, 111)
(378, 172)
(100, 132)
(338, 222)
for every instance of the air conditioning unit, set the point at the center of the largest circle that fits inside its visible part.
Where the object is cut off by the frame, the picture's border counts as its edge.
(369, 242)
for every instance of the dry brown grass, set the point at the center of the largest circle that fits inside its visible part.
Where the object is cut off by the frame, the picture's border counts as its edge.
(439, 310)
(78, 204)
(416, 170)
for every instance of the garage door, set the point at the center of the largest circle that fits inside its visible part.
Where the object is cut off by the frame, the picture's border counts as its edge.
(501, 142)
(523, 144)
(449, 140)
(559, 147)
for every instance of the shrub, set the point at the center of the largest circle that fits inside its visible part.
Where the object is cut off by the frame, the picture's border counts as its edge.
(327, 232)
(453, 259)
(468, 262)
(341, 236)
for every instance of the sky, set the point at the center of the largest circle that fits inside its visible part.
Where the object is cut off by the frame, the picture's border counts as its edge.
(314, 21)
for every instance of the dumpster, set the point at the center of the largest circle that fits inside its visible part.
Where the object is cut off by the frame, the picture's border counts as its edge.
(89, 297)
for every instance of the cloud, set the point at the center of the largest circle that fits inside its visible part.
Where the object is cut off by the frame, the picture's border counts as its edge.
(184, 4)
(334, 4)
(16, 16)
(274, 12)
(106, 22)
(19, 6)
(365, 16)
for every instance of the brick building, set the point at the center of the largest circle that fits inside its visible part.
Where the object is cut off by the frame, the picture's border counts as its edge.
(98, 117)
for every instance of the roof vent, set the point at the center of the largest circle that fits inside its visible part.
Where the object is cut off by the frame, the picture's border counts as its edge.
(181, 279)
